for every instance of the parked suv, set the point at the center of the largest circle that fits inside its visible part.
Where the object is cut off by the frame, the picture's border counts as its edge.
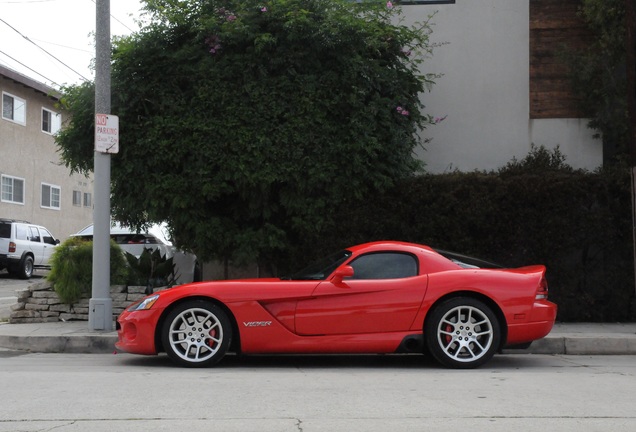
(24, 246)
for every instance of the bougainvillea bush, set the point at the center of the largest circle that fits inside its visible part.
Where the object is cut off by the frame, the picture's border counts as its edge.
(243, 124)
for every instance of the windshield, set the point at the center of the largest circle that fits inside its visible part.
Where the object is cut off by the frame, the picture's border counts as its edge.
(322, 268)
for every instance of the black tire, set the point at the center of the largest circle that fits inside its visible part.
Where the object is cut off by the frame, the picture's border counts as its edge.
(463, 333)
(197, 333)
(25, 270)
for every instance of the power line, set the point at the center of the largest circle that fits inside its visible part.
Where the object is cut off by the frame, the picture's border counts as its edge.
(45, 51)
(116, 19)
(32, 70)
(64, 46)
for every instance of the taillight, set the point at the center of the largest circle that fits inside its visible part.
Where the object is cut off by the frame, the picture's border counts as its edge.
(542, 290)
(12, 247)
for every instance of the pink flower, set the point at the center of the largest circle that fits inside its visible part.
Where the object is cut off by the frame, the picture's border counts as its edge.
(264, 9)
(405, 112)
(231, 17)
(389, 5)
(399, 109)
(440, 119)
(213, 43)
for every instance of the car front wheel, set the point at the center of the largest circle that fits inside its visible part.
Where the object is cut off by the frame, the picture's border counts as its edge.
(196, 333)
(463, 333)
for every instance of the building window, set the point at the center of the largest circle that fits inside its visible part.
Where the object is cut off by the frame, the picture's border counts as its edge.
(12, 190)
(77, 198)
(50, 196)
(13, 108)
(51, 121)
(88, 199)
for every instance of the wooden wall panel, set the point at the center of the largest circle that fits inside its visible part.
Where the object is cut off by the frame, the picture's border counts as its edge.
(554, 26)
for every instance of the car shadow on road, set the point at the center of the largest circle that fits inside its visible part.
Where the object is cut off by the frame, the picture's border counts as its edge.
(38, 275)
(335, 361)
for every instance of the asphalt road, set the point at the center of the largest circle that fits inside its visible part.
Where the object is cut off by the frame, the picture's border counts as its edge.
(100, 392)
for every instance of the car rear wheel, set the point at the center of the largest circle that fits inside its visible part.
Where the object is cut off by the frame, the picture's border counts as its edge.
(25, 270)
(196, 333)
(463, 333)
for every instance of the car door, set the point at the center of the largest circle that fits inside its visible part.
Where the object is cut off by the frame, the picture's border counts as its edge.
(35, 244)
(383, 295)
(49, 244)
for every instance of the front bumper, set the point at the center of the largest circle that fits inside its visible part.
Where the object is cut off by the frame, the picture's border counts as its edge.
(136, 331)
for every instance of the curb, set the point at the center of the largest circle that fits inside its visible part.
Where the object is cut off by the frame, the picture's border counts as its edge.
(582, 345)
(73, 337)
(97, 344)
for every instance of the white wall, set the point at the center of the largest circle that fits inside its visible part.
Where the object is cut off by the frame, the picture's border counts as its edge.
(485, 91)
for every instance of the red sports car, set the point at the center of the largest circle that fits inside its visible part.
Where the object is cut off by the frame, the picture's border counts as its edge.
(381, 297)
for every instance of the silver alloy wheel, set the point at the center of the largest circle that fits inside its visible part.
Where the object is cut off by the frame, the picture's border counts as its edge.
(195, 335)
(26, 267)
(465, 334)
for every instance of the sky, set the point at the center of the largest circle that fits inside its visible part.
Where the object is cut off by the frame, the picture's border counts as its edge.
(29, 29)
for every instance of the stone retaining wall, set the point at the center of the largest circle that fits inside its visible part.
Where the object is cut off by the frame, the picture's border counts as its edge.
(40, 303)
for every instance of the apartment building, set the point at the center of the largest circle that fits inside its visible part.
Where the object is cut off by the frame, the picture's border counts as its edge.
(35, 184)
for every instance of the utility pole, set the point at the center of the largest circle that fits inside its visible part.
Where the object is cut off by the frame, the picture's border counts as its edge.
(100, 312)
(630, 24)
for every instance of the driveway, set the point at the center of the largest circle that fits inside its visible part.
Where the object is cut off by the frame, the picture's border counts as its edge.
(8, 287)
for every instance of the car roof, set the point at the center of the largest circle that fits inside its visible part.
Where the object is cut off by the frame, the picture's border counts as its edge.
(160, 231)
(4, 220)
(390, 244)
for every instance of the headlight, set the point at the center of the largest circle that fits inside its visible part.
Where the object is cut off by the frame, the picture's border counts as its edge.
(145, 304)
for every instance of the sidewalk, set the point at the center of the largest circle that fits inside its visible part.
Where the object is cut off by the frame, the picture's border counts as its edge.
(74, 337)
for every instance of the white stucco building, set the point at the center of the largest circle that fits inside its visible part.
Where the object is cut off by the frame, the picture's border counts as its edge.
(498, 77)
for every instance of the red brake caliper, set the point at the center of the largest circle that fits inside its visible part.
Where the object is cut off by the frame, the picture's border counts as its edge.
(448, 329)
(212, 334)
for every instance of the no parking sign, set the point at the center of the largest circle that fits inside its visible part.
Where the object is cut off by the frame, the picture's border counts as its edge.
(106, 133)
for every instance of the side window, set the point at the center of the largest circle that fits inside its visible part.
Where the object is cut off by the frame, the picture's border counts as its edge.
(34, 234)
(384, 265)
(21, 232)
(5, 230)
(47, 236)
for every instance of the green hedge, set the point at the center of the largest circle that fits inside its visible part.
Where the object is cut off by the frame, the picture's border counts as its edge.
(536, 211)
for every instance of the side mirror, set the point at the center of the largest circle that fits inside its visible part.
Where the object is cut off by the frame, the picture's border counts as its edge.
(341, 273)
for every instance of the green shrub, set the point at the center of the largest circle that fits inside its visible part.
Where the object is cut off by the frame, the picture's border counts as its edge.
(72, 268)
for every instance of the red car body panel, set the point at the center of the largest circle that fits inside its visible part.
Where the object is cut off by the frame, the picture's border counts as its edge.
(351, 315)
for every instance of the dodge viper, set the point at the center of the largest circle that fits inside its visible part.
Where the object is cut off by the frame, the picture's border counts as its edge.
(380, 297)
